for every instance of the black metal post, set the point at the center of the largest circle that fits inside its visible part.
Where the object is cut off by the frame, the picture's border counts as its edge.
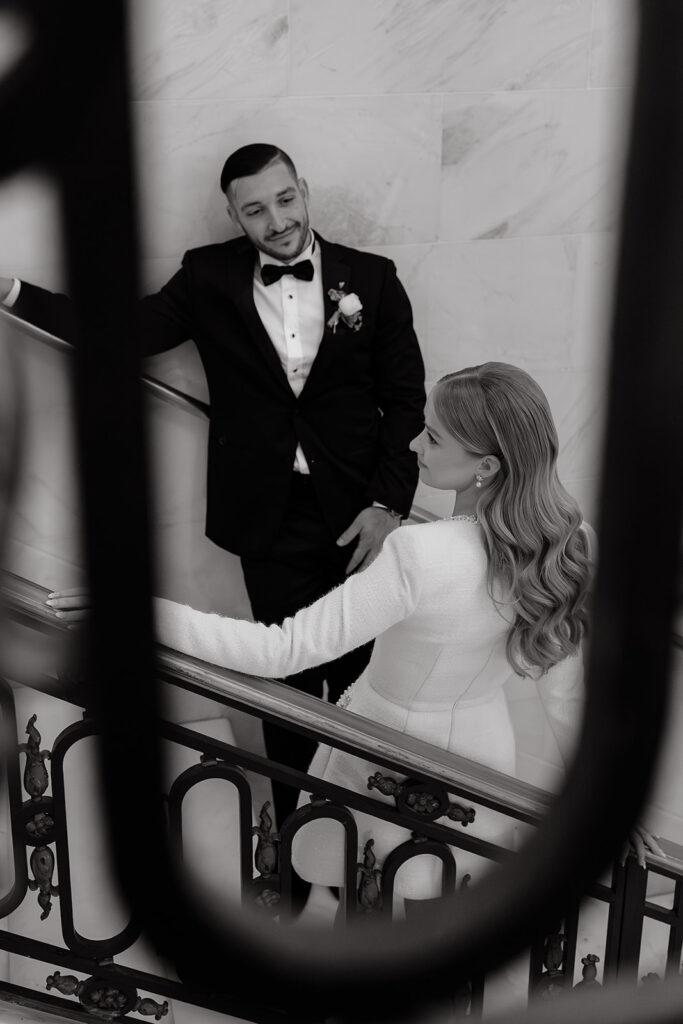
(625, 926)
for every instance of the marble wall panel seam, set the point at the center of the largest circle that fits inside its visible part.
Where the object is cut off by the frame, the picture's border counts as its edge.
(411, 93)
(288, 86)
(426, 245)
(591, 42)
(524, 92)
(508, 240)
(175, 101)
(468, 241)
(39, 549)
(607, 231)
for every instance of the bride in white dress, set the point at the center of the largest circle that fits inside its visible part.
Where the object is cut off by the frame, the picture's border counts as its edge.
(457, 606)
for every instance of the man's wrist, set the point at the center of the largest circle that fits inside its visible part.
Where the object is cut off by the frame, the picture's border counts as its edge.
(392, 512)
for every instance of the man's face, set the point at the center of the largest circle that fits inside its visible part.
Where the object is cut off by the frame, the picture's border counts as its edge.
(271, 208)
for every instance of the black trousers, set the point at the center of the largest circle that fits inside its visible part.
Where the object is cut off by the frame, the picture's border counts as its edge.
(303, 564)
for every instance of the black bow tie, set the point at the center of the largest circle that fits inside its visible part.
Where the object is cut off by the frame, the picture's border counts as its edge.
(271, 272)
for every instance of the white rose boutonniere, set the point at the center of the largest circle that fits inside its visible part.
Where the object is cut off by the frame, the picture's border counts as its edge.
(349, 309)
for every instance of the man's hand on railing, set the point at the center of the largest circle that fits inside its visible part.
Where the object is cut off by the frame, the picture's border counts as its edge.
(641, 842)
(71, 606)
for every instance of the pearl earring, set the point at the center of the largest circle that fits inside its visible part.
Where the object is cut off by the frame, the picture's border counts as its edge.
(479, 480)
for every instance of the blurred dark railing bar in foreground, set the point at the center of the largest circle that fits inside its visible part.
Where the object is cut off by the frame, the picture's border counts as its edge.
(67, 105)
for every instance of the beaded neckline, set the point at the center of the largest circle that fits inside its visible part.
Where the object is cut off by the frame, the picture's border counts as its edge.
(463, 519)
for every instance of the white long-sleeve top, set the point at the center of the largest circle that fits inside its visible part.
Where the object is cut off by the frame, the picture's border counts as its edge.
(440, 646)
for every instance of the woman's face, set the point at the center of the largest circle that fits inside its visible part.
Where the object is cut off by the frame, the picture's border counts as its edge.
(443, 461)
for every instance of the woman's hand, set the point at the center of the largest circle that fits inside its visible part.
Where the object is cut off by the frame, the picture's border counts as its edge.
(71, 606)
(640, 842)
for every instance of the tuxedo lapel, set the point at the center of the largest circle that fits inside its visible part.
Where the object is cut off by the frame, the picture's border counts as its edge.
(240, 283)
(336, 274)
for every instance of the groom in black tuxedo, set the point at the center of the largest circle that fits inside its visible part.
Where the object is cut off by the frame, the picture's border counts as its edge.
(316, 388)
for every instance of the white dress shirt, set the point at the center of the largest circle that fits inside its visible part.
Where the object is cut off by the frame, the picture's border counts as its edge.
(293, 314)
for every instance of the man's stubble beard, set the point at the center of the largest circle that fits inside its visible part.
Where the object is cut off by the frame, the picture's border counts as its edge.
(289, 257)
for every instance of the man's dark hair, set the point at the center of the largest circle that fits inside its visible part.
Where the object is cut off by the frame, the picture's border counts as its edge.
(252, 159)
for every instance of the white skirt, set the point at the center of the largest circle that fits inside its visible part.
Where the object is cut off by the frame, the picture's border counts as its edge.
(480, 730)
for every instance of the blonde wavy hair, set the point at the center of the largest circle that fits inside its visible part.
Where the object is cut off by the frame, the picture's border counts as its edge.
(536, 548)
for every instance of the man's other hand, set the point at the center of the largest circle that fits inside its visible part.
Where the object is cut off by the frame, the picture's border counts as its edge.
(371, 526)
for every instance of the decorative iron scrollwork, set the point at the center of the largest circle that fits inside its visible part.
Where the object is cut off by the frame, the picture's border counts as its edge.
(150, 1008)
(459, 812)
(426, 801)
(589, 974)
(67, 984)
(39, 821)
(266, 860)
(370, 885)
(107, 998)
(38, 815)
(423, 802)
(36, 778)
(267, 899)
(386, 784)
(266, 856)
(552, 981)
(40, 825)
(43, 865)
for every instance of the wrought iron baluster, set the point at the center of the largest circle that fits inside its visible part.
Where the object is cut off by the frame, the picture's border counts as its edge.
(673, 959)
(625, 924)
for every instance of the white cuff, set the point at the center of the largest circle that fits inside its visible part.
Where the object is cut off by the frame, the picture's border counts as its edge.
(378, 504)
(13, 294)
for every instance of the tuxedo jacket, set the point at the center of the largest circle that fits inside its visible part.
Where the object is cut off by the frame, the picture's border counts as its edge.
(361, 405)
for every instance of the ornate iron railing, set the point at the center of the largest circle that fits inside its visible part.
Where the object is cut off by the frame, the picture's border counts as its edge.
(430, 786)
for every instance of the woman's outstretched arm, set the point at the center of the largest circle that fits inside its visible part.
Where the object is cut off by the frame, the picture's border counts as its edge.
(364, 606)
